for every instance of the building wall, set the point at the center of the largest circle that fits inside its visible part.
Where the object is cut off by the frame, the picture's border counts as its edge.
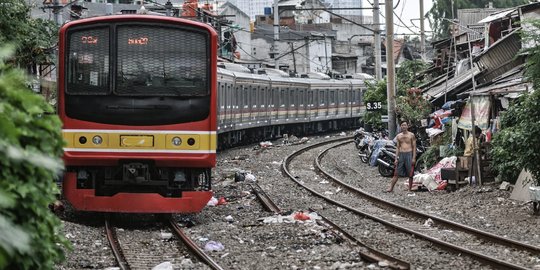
(242, 35)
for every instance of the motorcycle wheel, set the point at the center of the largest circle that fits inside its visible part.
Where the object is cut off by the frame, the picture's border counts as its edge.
(365, 158)
(385, 171)
(357, 144)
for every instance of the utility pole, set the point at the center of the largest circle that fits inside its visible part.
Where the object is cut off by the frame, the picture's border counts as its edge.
(377, 40)
(390, 72)
(276, 33)
(422, 32)
(57, 11)
(293, 58)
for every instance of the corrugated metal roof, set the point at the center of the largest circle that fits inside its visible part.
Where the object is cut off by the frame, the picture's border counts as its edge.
(496, 16)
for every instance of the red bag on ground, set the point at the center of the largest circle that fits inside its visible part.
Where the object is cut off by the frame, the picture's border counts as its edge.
(221, 201)
(301, 216)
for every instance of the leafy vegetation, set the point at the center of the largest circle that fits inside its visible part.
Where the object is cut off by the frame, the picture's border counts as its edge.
(409, 75)
(376, 92)
(517, 145)
(444, 11)
(413, 107)
(30, 151)
(33, 37)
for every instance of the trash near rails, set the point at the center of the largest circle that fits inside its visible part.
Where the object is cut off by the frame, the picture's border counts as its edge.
(123, 263)
(366, 253)
(446, 245)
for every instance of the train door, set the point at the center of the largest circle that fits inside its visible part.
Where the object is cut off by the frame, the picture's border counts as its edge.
(293, 101)
(245, 104)
(332, 103)
(263, 102)
(323, 103)
(301, 104)
(311, 104)
(274, 103)
(237, 105)
(282, 100)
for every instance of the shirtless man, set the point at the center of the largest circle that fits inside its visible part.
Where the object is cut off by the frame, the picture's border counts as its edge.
(405, 155)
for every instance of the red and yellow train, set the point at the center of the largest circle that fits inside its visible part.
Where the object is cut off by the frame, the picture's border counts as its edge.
(137, 96)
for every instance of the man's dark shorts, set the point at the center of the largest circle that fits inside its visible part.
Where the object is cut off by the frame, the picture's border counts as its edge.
(404, 166)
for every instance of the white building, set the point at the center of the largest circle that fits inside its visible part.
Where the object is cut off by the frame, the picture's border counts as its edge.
(346, 4)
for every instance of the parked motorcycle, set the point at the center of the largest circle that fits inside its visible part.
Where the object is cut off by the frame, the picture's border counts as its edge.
(387, 156)
(366, 147)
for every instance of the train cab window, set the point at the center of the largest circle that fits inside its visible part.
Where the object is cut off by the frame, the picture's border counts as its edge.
(87, 62)
(149, 62)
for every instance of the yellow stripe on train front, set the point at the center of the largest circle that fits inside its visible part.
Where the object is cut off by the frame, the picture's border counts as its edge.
(133, 139)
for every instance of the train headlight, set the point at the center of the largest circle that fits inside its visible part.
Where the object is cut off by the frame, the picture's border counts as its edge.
(97, 139)
(176, 141)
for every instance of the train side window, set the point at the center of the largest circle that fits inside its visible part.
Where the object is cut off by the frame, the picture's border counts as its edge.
(301, 101)
(321, 97)
(332, 98)
(228, 95)
(310, 99)
(282, 98)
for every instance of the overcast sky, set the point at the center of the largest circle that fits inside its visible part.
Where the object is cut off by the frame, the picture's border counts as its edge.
(407, 10)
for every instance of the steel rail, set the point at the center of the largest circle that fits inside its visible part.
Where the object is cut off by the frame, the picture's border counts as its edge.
(265, 199)
(462, 227)
(193, 247)
(481, 257)
(372, 255)
(115, 247)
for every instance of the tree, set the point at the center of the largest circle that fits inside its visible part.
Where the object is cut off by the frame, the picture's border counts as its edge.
(517, 145)
(30, 160)
(376, 92)
(33, 38)
(442, 11)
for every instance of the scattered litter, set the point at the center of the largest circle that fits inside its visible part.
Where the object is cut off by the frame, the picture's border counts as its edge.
(504, 185)
(342, 134)
(428, 223)
(339, 209)
(213, 246)
(338, 190)
(265, 144)
(163, 266)
(222, 201)
(384, 263)
(500, 199)
(328, 193)
(229, 218)
(225, 255)
(324, 182)
(411, 194)
(203, 239)
(166, 235)
(301, 216)
(212, 202)
(250, 177)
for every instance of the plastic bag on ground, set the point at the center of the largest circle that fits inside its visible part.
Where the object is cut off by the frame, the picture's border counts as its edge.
(212, 202)
(213, 246)
(301, 216)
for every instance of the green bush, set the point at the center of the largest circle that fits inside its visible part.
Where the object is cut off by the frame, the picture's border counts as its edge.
(30, 151)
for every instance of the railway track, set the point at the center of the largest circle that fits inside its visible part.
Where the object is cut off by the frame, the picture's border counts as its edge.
(412, 222)
(141, 253)
(367, 253)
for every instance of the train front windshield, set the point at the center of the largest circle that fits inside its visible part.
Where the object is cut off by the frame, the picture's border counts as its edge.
(137, 74)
